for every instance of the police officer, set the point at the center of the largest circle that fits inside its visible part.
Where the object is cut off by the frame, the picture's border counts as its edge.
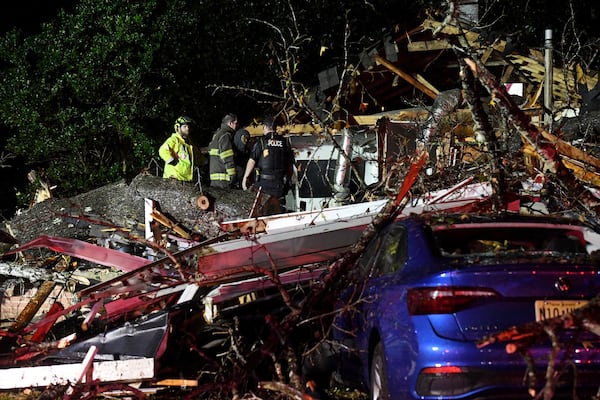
(273, 158)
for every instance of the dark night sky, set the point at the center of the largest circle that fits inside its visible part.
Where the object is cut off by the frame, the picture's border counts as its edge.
(27, 15)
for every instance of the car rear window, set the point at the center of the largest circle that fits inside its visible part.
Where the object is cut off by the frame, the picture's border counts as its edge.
(493, 239)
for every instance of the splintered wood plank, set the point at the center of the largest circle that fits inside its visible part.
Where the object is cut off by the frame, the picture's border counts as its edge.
(428, 45)
(563, 80)
(570, 151)
(426, 83)
(406, 76)
(582, 172)
(177, 382)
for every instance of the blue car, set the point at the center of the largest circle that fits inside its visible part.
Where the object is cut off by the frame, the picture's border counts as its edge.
(428, 289)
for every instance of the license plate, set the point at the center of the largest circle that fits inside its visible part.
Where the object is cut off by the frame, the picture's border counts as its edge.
(545, 309)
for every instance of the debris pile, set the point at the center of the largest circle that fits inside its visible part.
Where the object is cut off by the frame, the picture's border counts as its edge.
(181, 256)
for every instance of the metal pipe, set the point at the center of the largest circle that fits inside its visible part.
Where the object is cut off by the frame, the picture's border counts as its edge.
(548, 76)
(343, 164)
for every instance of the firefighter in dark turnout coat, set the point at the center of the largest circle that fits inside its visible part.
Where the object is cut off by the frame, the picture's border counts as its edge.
(221, 168)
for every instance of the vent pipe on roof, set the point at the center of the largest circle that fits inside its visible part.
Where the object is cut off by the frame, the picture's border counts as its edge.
(548, 78)
(340, 186)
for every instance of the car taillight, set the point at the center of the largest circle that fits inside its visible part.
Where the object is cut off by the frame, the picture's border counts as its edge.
(444, 300)
(447, 369)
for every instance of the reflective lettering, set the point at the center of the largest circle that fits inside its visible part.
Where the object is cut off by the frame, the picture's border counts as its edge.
(275, 143)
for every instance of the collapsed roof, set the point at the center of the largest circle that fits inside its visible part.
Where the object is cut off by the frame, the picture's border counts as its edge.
(422, 62)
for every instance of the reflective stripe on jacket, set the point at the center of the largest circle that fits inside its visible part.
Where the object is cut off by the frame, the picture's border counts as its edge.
(221, 163)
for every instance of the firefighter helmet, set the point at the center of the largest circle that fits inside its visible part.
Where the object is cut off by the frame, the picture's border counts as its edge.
(182, 121)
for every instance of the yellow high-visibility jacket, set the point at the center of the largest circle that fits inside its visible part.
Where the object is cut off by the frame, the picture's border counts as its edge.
(175, 148)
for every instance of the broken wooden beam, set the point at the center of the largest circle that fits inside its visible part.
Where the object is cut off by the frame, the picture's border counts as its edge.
(169, 223)
(407, 77)
(40, 296)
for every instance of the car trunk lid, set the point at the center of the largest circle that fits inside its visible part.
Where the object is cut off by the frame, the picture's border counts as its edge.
(523, 293)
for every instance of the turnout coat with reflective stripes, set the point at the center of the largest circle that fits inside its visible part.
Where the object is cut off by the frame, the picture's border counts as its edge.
(222, 170)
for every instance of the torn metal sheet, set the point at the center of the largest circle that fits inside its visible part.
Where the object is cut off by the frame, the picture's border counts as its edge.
(232, 290)
(137, 339)
(456, 196)
(304, 238)
(301, 219)
(283, 249)
(86, 251)
(246, 291)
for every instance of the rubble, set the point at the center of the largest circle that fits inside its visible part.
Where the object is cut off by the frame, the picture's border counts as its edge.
(204, 257)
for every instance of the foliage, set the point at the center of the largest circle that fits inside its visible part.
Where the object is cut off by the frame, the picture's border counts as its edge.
(77, 94)
(90, 97)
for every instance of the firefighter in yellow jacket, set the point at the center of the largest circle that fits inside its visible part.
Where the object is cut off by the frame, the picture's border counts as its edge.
(178, 152)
